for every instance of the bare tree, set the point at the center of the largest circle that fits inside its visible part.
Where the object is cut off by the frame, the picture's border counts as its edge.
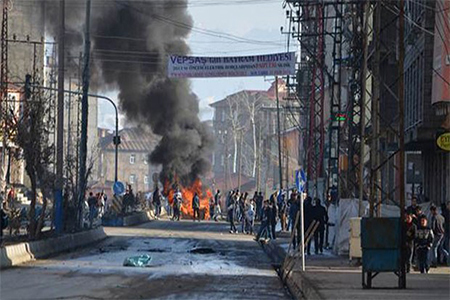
(233, 118)
(252, 103)
(32, 128)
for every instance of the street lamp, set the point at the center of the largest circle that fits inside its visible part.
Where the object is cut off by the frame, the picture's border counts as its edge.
(116, 136)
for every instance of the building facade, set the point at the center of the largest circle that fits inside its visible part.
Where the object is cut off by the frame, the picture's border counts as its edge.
(426, 106)
(246, 152)
(134, 167)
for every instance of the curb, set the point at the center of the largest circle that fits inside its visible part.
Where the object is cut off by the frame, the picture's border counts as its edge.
(14, 255)
(296, 281)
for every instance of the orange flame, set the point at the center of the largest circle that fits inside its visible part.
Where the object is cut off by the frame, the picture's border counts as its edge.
(188, 194)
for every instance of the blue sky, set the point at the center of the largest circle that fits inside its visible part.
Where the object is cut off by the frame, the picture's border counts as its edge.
(255, 21)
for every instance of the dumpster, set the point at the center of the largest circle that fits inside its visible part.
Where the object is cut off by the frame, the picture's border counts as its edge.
(381, 249)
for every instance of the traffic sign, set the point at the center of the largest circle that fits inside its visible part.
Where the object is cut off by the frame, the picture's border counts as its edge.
(300, 180)
(118, 188)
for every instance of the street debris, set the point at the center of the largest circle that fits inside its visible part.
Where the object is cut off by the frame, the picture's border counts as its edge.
(138, 261)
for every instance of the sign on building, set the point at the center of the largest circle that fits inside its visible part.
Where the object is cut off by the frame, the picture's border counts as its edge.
(443, 141)
(237, 66)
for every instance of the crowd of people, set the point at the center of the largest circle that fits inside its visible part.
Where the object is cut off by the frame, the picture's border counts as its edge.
(427, 241)
(281, 208)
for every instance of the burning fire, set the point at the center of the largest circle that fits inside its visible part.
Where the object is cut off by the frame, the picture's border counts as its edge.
(188, 194)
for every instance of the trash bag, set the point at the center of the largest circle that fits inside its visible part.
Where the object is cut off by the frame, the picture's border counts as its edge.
(138, 261)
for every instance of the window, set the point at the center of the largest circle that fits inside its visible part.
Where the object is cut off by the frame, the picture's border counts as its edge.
(222, 160)
(132, 179)
(146, 179)
(145, 159)
(132, 159)
(213, 158)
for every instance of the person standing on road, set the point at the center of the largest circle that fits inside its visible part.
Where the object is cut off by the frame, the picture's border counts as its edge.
(437, 225)
(196, 206)
(250, 219)
(321, 216)
(273, 214)
(446, 214)
(309, 218)
(259, 205)
(176, 207)
(156, 199)
(217, 210)
(265, 229)
(294, 208)
(410, 229)
(231, 214)
(424, 240)
(92, 203)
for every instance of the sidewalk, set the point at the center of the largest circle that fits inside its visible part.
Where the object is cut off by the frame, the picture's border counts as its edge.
(332, 277)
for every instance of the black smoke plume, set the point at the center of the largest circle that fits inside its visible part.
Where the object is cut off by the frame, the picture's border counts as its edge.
(131, 44)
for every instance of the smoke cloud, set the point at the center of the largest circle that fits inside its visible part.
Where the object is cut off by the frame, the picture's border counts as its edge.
(131, 44)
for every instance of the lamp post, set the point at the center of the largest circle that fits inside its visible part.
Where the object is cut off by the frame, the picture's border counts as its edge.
(116, 136)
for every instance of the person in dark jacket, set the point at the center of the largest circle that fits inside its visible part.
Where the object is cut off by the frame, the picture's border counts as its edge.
(410, 234)
(265, 229)
(309, 211)
(259, 205)
(157, 202)
(321, 216)
(411, 210)
(92, 203)
(196, 206)
(294, 208)
(424, 240)
(445, 208)
(273, 213)
(231, 214)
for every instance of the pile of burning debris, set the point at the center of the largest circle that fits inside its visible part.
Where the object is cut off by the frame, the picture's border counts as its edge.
(187, 194)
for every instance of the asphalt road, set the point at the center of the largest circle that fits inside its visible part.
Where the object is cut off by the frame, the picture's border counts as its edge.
(229, 266)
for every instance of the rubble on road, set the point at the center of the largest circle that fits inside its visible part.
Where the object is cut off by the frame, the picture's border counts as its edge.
(137, 261)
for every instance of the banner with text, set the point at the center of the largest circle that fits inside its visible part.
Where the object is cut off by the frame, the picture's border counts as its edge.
(239, 66)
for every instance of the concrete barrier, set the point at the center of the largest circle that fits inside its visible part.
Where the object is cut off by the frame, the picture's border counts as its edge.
(14, 255)
(134, 219)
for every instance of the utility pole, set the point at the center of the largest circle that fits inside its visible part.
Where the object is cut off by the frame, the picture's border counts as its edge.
(362, 152)
(375, 110)
(280, 165)
(60, 122)
(401, 128)
(4, 91)
(84, 114)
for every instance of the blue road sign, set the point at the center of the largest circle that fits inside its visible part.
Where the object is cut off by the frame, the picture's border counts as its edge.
(118, 188)
(300, 180)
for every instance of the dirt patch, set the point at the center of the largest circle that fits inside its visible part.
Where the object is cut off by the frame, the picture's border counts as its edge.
(203, 250)
(155, 250)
